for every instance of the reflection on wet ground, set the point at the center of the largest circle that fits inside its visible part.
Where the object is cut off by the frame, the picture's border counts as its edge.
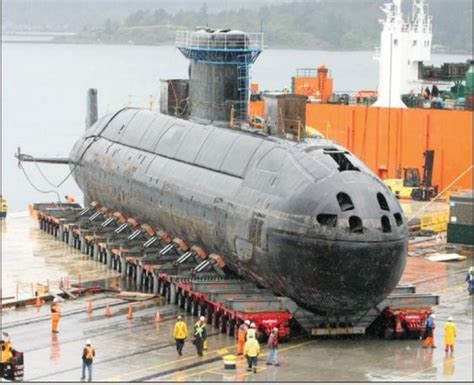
(143, 350)
(30, 256)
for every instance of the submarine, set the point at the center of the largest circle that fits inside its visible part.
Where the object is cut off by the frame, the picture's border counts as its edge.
(305, 219)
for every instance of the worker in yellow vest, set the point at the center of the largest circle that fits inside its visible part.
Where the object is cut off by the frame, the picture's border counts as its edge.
(3, 207)
(88, 355)
(180, 334)
(449, 335)
(7, 355)
(55, 315)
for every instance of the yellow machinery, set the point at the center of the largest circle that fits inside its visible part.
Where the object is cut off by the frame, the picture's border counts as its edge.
(411, 185)
(403, 188)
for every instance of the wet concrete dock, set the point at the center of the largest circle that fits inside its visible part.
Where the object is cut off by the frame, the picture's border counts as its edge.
(143, 350)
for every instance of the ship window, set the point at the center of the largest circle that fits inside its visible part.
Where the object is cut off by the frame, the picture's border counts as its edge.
(355, 225)
(398, 218)
(345, 202)
(386, 227)
(382, 202)
(329, 220)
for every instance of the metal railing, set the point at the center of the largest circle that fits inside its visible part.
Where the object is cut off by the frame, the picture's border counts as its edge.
(219, 41)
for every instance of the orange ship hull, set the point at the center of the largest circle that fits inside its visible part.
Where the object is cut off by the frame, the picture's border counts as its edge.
(388, 140)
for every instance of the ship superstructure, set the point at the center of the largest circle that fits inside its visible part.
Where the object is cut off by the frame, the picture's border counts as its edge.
(404, 44)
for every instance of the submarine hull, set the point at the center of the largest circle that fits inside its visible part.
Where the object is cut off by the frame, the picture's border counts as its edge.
(256, 201)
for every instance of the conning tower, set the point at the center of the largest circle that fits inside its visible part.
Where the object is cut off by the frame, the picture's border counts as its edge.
(219, 72)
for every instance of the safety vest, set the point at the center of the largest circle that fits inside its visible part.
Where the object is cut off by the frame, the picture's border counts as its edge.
(89, 352)
(198, 330)
(180, 330)
(55, 308)
(6, 352)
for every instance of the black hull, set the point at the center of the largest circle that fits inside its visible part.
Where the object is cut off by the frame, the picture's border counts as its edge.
(335, 276)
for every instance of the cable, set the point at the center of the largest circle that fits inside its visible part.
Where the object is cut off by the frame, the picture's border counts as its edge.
(36, 188)
(43, 175)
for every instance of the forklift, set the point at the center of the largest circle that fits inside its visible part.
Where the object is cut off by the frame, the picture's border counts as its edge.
(411, 187)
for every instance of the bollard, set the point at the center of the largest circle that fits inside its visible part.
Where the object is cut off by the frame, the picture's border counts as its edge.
(230, 361)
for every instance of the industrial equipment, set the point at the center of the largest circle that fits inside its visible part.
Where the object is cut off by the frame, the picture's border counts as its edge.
(411, 186)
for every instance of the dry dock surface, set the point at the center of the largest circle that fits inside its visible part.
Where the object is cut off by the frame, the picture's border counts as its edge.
(143, 350)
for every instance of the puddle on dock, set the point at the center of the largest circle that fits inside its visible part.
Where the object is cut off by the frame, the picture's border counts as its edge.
(30, 256)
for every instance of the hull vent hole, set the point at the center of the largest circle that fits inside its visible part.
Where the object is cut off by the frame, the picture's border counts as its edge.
(386, 227)
(345, 202)
(327, 220)
(398, 219)
(355, 225)
(382, 202)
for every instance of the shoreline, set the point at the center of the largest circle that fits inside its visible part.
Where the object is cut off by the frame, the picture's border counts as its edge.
(171, 44)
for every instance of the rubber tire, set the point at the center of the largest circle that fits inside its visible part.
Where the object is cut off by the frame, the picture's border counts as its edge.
(222, 324)
(193, 307)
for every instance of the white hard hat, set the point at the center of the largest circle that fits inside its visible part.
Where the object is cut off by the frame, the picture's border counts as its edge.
(450, 318)
(56, 299)
(275, 330)
(202, 318)
(88, 342)
(179, 317)
(247, 322)
(432, 316)
(252, 325)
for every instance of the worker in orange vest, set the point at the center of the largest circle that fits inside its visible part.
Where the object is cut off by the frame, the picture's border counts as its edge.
(242, 336)
(429, 332)
(88, 355)
(55, 315)
(180, 334)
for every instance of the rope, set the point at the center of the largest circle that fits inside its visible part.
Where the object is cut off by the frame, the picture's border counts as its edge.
(36, 188)
(441, 193)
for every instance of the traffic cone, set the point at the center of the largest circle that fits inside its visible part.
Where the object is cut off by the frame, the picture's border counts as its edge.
(130, 312)
(89, 307)
(157, 317)
(108, 312)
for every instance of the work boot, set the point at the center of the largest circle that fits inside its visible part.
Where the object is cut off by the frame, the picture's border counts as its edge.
(268, 363)
(277, 364)
(255, 370)
(249, 369)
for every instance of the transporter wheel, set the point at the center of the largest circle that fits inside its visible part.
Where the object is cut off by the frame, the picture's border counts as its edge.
(230, 326)
(200, 310)
(193, 307)
(189, 304)
(215, 319)
(222, 324)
